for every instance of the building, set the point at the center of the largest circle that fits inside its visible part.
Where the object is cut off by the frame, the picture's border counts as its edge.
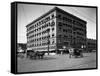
(91, 45)
(56, 30)
(21, 47)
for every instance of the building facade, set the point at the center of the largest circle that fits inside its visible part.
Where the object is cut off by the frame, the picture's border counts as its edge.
(55, 30)
(91, 45)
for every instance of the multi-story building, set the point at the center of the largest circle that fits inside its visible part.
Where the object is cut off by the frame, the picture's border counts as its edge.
(91, 45)
(55, 30)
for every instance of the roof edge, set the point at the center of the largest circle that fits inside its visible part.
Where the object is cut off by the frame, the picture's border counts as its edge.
(53, 9)
(42, 16)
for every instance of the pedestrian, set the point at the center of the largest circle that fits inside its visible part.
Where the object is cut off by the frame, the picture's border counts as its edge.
(71, 52)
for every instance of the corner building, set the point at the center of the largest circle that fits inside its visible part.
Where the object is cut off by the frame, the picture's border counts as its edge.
(55, 30)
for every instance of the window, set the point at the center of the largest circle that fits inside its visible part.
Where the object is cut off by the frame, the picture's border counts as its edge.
(48, 36)
(69, 30)
(39, 23)
(48, 30)
(35, 25)
(64, 30)
(52, 35)
(49, 24)
(53, 42)
(65, 18)
(60, 28)
(59, 16)
(52, 23)
(59, 24)
(59, 35)
(52, 29)
(40, 28)
(52, 15)
(48, 42)
(47, 19)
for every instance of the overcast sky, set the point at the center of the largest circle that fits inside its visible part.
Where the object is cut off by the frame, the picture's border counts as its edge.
(29, 12)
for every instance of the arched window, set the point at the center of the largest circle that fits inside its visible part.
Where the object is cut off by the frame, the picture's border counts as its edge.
(52, 23)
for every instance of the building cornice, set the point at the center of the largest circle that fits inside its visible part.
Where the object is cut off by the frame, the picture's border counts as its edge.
(55, 9)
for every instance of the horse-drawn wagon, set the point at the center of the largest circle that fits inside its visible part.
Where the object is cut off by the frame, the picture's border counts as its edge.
(35, 54)
(75, 52)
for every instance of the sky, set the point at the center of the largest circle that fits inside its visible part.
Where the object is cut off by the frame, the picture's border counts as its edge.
(29, 12)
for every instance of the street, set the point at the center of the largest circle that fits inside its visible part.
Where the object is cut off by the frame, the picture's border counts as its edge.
(57, 62)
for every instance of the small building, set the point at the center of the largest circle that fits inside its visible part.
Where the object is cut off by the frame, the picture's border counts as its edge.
(91, 45)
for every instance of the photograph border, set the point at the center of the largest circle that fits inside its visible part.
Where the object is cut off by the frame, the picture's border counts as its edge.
(14, 17)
